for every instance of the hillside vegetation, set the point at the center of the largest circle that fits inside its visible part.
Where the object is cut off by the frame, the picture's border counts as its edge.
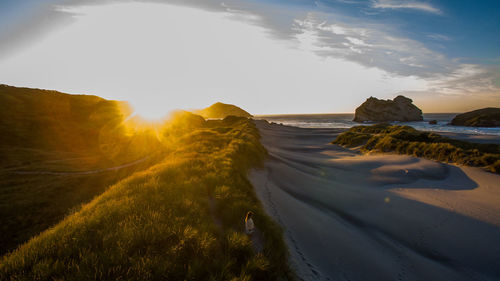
(48, 141)
(222, 110)
(407, 140)
(485, 117)
(181, 219)
(73, 125)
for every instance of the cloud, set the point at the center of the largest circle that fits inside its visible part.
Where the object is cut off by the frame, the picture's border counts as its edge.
(349, 1)
(189, 58)
(466, 88)
(327, 35)
(370, 45)
(403, 4)
(47, 16)
(467, 79)
(439, 37)
(379, 46)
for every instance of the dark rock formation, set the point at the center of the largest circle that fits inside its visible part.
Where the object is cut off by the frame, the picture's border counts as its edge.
(400, 109)
(486, 117)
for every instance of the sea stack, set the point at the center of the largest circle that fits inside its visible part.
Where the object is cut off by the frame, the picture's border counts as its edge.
(400, 109)
(485, 117)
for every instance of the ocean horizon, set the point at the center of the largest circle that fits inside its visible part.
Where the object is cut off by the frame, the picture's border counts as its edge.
(344, 120)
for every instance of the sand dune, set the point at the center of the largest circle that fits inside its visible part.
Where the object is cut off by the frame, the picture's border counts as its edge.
(377, 217)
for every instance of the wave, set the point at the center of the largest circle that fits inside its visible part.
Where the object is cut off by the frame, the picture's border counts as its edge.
(344, 121)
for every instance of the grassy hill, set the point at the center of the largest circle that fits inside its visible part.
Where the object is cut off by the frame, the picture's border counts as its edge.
(407, 140)
(222, 110)
(485, 117)
(46, 138)
(71, 124)
(181, 219)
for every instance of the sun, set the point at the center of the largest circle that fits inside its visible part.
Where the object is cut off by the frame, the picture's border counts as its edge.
(151, 109)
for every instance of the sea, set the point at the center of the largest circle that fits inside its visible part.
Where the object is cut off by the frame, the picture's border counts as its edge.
(345, 121)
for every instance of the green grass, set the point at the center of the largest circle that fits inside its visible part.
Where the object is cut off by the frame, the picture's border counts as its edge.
(49, 131)
(181, 219)
(30, 204)
(407, 140)
(53, 123)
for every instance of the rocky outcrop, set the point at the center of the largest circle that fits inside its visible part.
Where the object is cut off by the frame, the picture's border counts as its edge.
(486, 117)
(400, 109)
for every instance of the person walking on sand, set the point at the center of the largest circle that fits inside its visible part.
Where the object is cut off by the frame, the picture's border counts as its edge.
(249, 226)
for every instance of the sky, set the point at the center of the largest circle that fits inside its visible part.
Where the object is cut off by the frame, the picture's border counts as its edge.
(268, 57)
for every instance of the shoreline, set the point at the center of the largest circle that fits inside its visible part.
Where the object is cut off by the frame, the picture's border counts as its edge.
(377, 217)
(470, 137)
(332, 121)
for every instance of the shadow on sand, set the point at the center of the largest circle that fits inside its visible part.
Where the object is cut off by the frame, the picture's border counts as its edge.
(342, 220)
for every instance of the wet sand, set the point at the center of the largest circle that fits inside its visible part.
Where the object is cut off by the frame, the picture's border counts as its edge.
(349, 216)
(472, 137)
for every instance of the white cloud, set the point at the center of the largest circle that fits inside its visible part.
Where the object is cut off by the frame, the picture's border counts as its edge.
(466, 88)
(357, 41)
(439, 37)
(375, 46)
(161, 57)
(379, 47)
(404, 4)
(239, 52)
(465, 79)
(333, 28)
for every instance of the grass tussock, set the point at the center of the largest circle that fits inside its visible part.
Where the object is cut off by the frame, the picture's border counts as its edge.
(30, 204)
(181, 219)
(407, 140)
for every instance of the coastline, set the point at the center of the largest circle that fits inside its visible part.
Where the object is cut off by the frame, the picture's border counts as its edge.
(349, 216)
(344, 120)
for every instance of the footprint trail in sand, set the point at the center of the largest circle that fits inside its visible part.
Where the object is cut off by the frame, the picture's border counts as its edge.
(348, 216)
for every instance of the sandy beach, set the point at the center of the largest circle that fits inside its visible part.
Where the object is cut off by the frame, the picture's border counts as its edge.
(349, 216)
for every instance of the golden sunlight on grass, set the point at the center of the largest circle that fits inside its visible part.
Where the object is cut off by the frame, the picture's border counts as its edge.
(162, 223)
(178, 214)
(59, 151)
